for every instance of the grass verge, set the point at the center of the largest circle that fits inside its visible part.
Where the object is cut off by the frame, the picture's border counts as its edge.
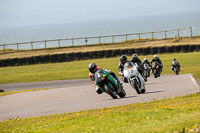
(79, 69)
(14, 92)
(197, 76)
(178, 114)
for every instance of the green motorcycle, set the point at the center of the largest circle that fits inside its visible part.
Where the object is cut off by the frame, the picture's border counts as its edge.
(108, 84)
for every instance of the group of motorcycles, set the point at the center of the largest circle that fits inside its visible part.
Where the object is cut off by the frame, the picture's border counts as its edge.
(109, 84)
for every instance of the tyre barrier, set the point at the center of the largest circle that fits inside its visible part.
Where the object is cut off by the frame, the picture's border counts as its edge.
(5, 62)
(93, 54)
(131, 51)
(14, 61)
(124, 52)
(139, 51)
(108, 53)
(29, 60)
(54, 58)
(169, 49)
(101, 54)
(177, 48)
(116, 52)
(37, 59)
(162, 49)
(84, 55)
(185, 48)
(147, 51)
(66, 57)
(61, 57)
(192, 48)
(154, 50)
(197, 47)
(69, 57)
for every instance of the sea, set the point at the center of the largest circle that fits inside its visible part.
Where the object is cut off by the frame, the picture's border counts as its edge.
(142, 24)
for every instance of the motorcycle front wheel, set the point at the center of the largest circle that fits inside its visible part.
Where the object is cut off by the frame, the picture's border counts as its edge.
(111, 92)
(136, 86)
(155, 73)
(177, 72)
(145, 76)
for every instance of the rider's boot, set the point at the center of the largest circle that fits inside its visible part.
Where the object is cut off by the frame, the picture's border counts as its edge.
(120, 86)
(124, 79)
(99, 91)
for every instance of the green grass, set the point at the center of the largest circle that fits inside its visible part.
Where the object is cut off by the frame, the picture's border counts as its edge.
(197, 76)
(20, 91)
(190, 63)
(169, 115)
(178, 114)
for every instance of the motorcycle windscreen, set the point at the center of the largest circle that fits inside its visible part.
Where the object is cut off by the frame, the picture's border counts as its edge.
(174, 63)
(155, 63)
(100, 76)
(146, 66)
(128, 65)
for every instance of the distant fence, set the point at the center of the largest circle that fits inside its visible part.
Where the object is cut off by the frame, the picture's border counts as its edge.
(66, 57)
(183, 32)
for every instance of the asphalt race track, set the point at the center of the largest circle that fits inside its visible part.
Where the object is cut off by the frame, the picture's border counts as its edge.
(78, 95)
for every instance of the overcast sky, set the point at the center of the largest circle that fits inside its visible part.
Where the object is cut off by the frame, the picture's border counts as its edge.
(36, 12)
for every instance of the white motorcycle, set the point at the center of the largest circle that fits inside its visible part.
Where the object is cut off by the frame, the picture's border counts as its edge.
(134, 77)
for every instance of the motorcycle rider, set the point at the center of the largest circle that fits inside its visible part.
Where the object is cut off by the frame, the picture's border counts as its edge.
(157, 58)
(147, 62)
(177, 64)
(93, 68)
(136, 60)
(123, 60)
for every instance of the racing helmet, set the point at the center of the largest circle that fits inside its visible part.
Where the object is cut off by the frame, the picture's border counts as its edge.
(123, 59)
(174, 59)
(145, 59)
(155, 57)
(134, 56)
(92, 67)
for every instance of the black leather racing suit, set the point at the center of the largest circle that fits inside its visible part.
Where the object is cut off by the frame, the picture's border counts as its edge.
(139, 63)
(121, 69)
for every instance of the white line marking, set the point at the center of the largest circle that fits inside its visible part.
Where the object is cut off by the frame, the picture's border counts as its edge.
(194, 81)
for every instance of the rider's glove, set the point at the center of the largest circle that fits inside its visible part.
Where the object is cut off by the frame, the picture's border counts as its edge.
(121, 73)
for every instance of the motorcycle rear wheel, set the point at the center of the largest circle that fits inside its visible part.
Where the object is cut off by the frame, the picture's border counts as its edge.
(122, 94)
(143, 90)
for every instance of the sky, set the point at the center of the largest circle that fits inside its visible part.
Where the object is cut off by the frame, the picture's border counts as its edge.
(39, 12)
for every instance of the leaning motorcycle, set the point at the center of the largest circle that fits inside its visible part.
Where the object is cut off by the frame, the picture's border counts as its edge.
(134, 77)
(108, 84)
(175, 67)
(156, 69)
(146, 71)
